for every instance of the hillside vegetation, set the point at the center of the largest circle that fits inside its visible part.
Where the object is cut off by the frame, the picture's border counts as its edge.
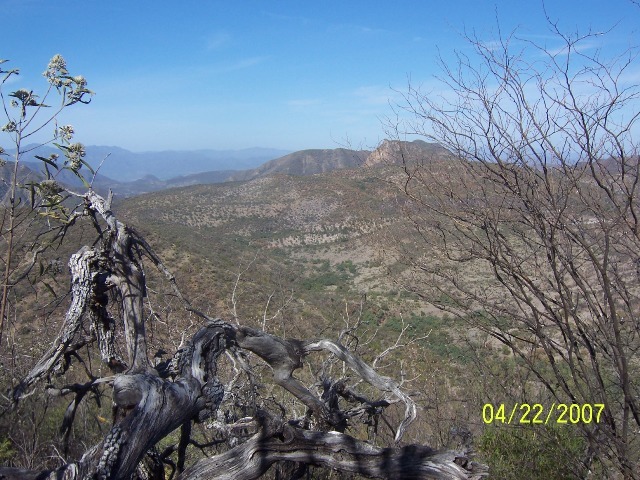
(332, 249)
(493, 273)
(317, 253)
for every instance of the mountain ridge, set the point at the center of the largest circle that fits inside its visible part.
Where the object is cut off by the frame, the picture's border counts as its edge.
(299, 163)
(307, 162)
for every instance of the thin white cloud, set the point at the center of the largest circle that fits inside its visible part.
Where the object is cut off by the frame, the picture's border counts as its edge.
(374, 94)
(493, 45)
(630, 77)
(245, 63)
(233, 66)
(153, 84)
(217, 40)
(356, 28)
(289, 18)
(304, 102)
(544, 42)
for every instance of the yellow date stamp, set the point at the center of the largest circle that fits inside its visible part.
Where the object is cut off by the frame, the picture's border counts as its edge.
(538, 414)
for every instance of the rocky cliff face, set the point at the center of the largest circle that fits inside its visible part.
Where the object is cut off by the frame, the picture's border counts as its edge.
(394, 152)
(309, 162)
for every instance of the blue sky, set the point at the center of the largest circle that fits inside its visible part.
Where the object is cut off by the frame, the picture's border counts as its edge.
(281, 74)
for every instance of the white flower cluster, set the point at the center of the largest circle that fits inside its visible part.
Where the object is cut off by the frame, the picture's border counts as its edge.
(65, 133)
(80, 81)
(75, 152)
(50, 188)
(56, 68)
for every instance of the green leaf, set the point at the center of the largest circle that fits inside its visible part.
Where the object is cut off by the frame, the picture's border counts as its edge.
(88, 167)
(82, 179)
(79, 175)
(48, 160)
(61, 147)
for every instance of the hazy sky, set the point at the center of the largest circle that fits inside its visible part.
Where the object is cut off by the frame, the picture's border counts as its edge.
(283, 74)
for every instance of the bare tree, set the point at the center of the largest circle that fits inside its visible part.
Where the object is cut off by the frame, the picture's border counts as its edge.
(151, 402)
(531, 230)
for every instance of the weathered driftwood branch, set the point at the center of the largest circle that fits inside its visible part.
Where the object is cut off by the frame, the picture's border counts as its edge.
(334, 450)
(126, 275)
(285, 356)
(370, 375)
(147, 406)
(82, 266)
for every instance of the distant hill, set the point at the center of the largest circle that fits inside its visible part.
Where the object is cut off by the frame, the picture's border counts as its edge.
(307, 162)
(68, 178)
(295, 222)
(327, 197)
(128, 174)
(151, 183)
(34, 172)
(392, 152)
(170, 164)
(300, 163)
(272, 211)
(25, 175)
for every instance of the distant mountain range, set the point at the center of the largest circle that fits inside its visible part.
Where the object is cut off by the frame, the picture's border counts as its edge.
(126, 166)
(128, 173)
